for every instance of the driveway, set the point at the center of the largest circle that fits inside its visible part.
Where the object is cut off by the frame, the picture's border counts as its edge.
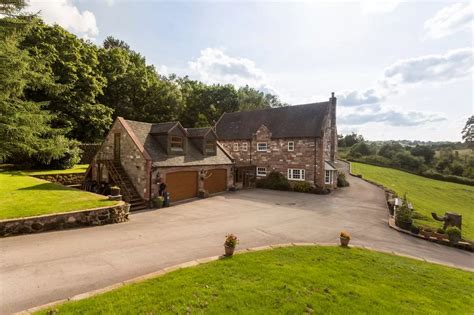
(37, 269)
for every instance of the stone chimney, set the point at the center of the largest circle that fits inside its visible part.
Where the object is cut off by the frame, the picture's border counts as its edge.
(332, 114)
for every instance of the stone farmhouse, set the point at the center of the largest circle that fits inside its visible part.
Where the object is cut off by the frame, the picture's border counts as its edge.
(137, 156)
(299, 141)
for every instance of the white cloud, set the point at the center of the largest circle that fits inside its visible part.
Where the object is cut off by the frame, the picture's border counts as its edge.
(455, 64)
(378, 6)
(449, 20)
(356, 98)
(66, 14)
(214, 66)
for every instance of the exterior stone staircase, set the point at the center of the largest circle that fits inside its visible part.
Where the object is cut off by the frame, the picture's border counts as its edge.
(127, 189)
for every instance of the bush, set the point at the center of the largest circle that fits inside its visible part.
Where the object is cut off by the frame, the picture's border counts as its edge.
(403, 213)
(341, 180)
(304, 187)
(361, 149)
(389, 150)
(453, 230)
(274, 180)
(407, 161)
(448, 178)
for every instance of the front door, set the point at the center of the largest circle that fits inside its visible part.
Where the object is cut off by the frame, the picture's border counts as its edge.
(117, 147)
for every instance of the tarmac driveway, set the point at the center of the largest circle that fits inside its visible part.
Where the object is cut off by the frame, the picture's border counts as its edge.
(37, 269)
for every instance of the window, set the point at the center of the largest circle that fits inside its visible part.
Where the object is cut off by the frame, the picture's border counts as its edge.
(176, 144)
(295, 174)
(291, 146)
(210, 146)
(236, 147)
(261, 171)
(262, 146)
(244, 146)
(328, 177)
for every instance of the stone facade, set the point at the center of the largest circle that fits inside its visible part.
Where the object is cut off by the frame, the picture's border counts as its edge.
(131, 158)
(65, 220)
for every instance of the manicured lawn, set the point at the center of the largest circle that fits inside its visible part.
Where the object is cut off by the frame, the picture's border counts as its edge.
(23, 196)
(427, 195)
(78, 168)
(295, 280)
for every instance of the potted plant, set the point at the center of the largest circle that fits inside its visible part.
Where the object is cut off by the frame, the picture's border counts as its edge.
(454, 234)
(230, 243)
(403, 215)
(414, 229)
(440, 234)
(344, 237)
(158, 202)
(115, 191)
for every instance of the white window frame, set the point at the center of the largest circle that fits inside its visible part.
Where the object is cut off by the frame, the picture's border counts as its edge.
(262, 143)
(291, 146)
(236, 146)
(328, 177)
(245, 146)
(296, 174)
(261, 171)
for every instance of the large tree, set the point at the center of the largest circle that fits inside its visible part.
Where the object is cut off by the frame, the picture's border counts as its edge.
(468, 130)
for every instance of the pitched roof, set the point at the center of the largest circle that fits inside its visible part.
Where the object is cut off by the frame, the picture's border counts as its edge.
(283, 122)
(162, 127)
(144, 133)
(197, 132)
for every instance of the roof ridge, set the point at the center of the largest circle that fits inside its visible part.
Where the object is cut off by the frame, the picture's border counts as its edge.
(277, 108)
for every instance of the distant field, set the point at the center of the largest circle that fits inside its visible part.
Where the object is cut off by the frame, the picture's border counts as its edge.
(462, 153)
(23, 196)
(427, 195)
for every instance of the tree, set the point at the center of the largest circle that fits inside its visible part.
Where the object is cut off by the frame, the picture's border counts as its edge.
(360, 149)
(389, 150)
(349, 140)
(468, 130)
(111, 42)
(25, 127)
(424, 151)
(251, 99)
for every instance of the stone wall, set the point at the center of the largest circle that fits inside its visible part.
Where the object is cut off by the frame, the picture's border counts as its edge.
(65, 220)
(63, 179)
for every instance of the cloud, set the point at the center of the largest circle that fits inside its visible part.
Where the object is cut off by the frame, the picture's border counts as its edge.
(214, 66)
(66, 14)
(449, 20)
(392, 117)
(378, 6)
(453, 65)
(357, 98)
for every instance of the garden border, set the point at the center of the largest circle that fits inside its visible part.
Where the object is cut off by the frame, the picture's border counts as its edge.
(389, 194)
(199, 261)
(65, 220)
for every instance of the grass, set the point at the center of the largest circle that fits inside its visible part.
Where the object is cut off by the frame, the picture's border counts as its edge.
(23, 196)
(294, 280)
(427, 195)
(78, 168)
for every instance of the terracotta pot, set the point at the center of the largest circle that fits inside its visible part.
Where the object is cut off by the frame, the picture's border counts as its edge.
(344, 241)
(229, 251)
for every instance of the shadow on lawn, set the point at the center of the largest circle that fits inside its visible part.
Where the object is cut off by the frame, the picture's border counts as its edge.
(47, 186)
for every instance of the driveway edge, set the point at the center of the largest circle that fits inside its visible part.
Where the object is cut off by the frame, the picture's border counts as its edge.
(200, 261)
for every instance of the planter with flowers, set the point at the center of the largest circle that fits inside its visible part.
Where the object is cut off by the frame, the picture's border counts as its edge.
(454, 234)
(230, 243)
(344, 237)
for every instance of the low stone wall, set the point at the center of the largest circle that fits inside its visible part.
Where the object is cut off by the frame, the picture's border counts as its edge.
(65, 220)
(63, 179)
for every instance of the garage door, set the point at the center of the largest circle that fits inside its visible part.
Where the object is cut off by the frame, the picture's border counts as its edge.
(182, 185)
(216, 181)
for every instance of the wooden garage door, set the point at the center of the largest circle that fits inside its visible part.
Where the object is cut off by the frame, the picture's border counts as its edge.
(216, 181)
(182, 185)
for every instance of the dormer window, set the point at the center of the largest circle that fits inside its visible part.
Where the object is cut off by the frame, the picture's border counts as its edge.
(176, 144)
(210, 147)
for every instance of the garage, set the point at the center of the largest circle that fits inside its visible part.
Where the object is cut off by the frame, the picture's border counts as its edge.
(182, 185)
(216, 181)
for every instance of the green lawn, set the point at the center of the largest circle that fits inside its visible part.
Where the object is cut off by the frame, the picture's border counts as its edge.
(427, 195)
(294, 280)
(78, 168)
(23, 196)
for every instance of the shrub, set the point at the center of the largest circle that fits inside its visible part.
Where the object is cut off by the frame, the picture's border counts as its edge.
(414, 229)
(454, 231)
(407, 161)
(403, 213)
(276, 180)
(448, 178)
(361, 148)
(321, 191)
(388, 150)
(65, 155)
(341, 180)
(440, 231)
(304, 187)
(345, 234)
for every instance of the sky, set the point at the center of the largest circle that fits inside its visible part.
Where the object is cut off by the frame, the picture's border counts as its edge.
(400, 69)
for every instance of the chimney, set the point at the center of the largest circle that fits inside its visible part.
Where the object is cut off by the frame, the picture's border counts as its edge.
(332, 113)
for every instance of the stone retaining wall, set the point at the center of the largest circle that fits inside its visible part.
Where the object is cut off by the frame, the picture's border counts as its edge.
(63, 179)
(65, 220)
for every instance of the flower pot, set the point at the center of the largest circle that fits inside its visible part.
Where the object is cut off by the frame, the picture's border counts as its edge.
(229, 251)
(344, 241)
(414, 229)
(114, 191)
(403, 224)
(426, 234)
(440, 236)
(454, 239)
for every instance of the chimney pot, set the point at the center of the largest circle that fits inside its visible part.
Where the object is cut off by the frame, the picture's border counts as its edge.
(332, 94)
